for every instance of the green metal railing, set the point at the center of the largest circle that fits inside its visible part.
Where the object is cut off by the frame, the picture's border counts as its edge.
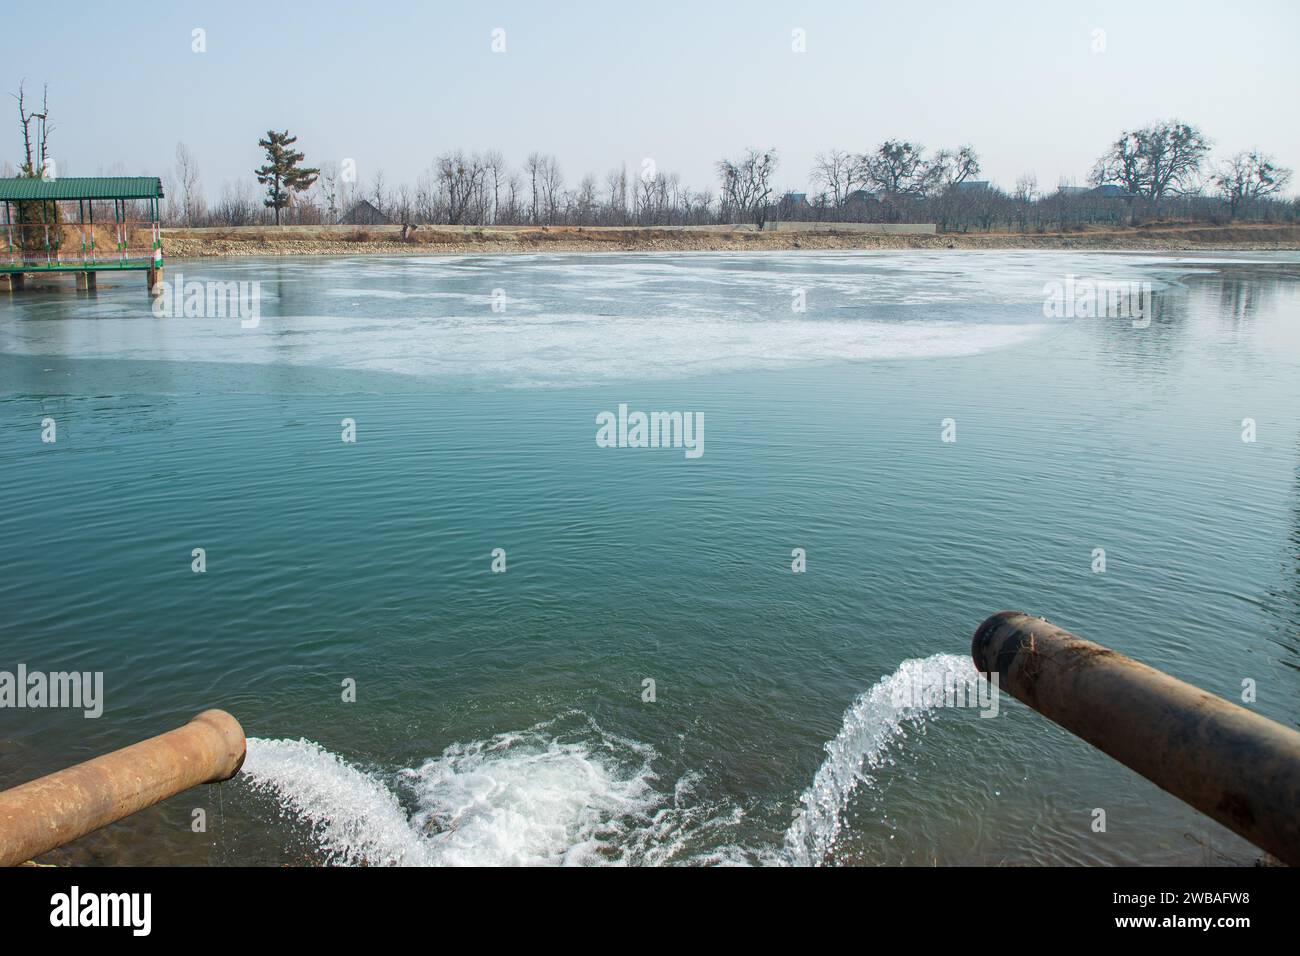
(39, 246)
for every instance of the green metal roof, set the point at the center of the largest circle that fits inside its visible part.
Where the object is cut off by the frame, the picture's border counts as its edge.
(82, 187)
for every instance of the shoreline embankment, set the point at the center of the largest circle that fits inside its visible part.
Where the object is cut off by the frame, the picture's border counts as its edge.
(185, 243)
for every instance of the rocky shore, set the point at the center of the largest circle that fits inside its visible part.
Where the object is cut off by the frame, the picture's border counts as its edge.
(451, 240)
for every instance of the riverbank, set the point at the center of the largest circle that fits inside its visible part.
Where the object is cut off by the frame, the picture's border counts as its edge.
(444, 240)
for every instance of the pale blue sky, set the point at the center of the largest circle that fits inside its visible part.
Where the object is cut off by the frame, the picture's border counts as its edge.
(601, 84)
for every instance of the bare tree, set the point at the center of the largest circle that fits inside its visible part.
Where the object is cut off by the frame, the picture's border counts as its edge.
(37, 222)
(1156, 161)
(1025, 195)
(379, 193)
(35, 164)
(616, 193)
(460, 180)
(587, 202)
(651, 197)
(838, 173)
(533, 170)
(899, 168)
(514, 189)
(699, 207)
(237, 206)
(329, 184)
(1248, 176)
(347, 187)
(402, 205)
(552, 186)
(952, 168)
(187, 178)
(746, 185)
(496, 174)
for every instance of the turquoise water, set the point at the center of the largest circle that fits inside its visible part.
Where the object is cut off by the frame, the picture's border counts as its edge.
(499, 717)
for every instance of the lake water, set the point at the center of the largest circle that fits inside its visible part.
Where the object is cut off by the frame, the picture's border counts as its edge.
(501, 717)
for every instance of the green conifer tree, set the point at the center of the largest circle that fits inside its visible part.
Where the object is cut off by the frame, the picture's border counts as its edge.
(282, 176)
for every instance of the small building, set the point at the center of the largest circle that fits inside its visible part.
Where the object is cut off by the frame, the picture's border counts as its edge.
(364, 213)
(971, 185)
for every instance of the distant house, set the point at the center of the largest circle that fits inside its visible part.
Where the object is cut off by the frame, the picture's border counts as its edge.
(860, 195)
(970, 185)
(363, 213)
(1074, 190)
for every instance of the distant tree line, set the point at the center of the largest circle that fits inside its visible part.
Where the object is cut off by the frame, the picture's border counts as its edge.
(1161, 171)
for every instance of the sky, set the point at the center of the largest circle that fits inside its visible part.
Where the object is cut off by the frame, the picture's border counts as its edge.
(1033, 86)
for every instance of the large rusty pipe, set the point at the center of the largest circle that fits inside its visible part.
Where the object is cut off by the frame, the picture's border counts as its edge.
(38, 816)
(1226, 761)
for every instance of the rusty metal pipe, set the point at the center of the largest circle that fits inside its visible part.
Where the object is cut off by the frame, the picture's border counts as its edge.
(1226, 761)
(38, 816)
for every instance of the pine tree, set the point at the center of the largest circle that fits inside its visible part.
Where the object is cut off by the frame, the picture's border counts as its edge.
(282, 176)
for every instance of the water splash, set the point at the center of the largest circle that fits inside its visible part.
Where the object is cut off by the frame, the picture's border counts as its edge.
(565, 792)
(536, 798)
(874, 721)
(355, 818)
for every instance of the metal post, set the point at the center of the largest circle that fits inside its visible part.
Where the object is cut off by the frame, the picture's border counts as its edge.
(156, 207)
(1226, 761)
(37, 817)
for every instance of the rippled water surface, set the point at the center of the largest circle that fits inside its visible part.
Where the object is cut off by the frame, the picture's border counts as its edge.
(500, 717)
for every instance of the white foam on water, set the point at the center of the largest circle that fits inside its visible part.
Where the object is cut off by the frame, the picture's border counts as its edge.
(538, 797)
(567, 793)
(527, 799)
(870, 727)
(548, 797)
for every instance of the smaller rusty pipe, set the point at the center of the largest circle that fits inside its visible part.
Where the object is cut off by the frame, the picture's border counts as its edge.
(46, 813)
(1226, 761)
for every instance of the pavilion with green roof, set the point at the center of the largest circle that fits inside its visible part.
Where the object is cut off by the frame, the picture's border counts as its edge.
(39, 235)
